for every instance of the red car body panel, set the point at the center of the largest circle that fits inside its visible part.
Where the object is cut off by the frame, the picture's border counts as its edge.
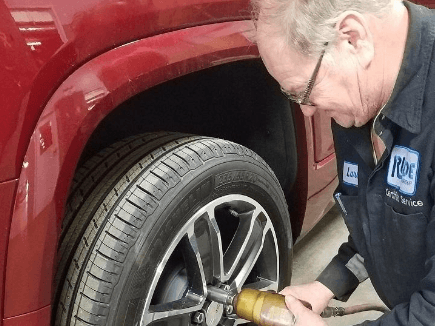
(65, 66)
(39, 317)
(7, 194)
(427, 3)
(69, 118)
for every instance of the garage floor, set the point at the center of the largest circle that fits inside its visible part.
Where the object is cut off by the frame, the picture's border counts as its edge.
(315, 251)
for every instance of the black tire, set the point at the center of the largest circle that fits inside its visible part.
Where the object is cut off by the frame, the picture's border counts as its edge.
(155, 219)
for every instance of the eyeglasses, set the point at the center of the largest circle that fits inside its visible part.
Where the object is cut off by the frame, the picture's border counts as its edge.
(303, 98)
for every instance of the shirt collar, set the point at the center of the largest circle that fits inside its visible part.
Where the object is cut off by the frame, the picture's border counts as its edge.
(405, 104)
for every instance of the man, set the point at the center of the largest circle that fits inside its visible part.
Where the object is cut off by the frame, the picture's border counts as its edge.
(370, 65)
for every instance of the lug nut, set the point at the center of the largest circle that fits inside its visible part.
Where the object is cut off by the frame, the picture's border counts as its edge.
(228, 310)
(198, 317)
(225, 287)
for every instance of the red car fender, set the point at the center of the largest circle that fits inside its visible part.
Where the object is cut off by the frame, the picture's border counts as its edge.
(69, 34)
(66, 123)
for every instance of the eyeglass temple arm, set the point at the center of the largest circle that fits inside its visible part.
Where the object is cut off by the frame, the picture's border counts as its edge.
(312, 79)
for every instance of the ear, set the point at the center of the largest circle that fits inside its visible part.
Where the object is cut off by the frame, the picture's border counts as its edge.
(355, 37)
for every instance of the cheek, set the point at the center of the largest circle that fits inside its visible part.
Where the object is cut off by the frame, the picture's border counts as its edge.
(336, 94)
(343, 82)
(332, 99)
(335, 89)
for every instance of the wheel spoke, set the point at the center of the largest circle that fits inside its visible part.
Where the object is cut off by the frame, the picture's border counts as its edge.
(194, 265)
(263, 284)
(194, 297)
(210, 246)
(175, 309)
(251, 249)
(242, 242)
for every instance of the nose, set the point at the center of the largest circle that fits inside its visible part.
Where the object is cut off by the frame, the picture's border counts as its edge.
(308, 110)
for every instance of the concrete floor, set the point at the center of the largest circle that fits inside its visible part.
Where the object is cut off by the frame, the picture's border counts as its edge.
(314, 252)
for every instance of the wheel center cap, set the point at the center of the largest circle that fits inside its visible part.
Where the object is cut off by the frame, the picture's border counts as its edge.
(214, 313)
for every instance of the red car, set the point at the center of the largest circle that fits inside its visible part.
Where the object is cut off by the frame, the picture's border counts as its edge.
(148, 163)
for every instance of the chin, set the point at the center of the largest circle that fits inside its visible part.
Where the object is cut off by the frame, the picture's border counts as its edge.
(346, 123)
(362, 122)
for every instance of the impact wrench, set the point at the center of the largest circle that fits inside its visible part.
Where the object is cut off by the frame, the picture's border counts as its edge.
(269, 309)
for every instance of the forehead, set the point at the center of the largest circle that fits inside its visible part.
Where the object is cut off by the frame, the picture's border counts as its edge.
(290, 68)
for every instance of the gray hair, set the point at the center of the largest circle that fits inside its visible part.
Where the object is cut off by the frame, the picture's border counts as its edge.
(308, 24)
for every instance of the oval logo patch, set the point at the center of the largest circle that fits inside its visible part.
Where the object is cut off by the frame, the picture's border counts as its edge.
(403, 170)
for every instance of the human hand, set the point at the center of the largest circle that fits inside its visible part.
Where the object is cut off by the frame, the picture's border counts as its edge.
(303, 315)
(315, 293)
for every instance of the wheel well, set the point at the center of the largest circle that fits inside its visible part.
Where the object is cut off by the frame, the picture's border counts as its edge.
(238, 101)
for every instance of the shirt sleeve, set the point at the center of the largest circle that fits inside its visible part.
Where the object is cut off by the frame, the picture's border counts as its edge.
(344, 273)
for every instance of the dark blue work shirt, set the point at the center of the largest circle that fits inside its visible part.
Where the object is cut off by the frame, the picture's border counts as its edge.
(388, 207)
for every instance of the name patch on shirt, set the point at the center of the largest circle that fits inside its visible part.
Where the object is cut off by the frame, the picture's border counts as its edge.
(403, 170)
(350, 174)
